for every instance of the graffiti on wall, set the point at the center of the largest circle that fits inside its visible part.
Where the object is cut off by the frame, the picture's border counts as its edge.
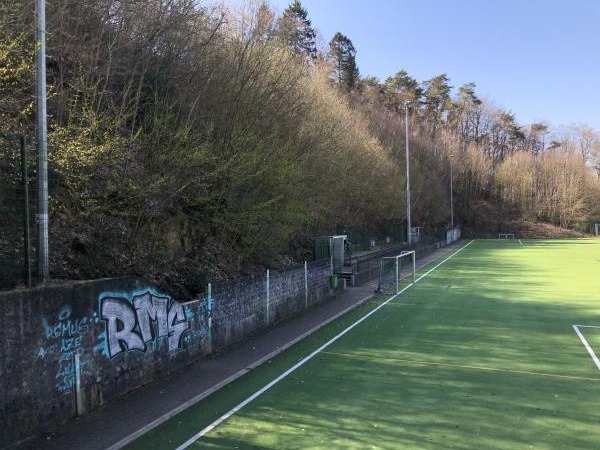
(141, 321)
(64, 336)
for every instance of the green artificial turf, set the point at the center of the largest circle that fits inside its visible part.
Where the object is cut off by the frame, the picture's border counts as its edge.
(480, 353)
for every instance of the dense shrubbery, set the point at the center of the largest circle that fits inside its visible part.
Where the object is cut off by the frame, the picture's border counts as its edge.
(188, 143)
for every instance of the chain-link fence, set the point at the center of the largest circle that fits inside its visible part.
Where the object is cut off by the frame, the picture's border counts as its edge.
(17, 211)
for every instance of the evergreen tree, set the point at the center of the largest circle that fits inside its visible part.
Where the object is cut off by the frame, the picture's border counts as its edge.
(465, 115)
(295, 28)
(401, 88)
(436, 100)
(343, 53)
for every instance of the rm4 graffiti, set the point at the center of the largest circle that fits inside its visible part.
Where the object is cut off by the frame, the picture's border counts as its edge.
(132, 323)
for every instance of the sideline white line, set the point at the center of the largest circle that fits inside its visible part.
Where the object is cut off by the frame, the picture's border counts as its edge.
(586, 345)
(442, 262)
(191, 402)
(268, 386)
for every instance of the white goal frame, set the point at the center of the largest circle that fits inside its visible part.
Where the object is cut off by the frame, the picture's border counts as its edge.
(405, 260)
(506, 236)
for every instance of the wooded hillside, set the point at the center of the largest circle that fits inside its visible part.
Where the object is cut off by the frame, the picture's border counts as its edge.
(190, 143)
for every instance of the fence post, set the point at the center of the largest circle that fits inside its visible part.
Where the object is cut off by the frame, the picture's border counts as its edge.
(78, 395)
(398, 275)
(305, 285)
(210, 308)
(268, 297)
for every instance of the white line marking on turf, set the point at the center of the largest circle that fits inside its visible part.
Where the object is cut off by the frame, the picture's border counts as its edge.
(586, 344)
(299, 364)
(462, 366)
(191, 402)
(442, 262)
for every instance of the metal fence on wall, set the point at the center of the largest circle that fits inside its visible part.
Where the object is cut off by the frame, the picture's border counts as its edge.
(17, 211)
(244, 305)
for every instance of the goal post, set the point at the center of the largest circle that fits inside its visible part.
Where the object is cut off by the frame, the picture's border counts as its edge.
(506, 236)
(396, 272)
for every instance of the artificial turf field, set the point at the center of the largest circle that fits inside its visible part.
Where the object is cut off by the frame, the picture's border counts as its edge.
(480, 353)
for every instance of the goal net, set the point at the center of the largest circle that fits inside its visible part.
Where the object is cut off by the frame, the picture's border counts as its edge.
(506, 236)
(396, 272)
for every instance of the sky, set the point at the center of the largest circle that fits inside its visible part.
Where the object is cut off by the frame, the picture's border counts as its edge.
(538, 59)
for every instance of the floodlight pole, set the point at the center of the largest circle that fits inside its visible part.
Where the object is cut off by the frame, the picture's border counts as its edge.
(451, 197)
(42, 141)
(408, 231)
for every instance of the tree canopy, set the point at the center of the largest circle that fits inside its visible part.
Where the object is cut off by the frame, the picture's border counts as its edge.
(343, 55)
(297, 31)
(186, 145)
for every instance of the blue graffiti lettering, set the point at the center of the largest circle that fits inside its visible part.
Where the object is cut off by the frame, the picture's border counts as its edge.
(64, 340)
(66, 328)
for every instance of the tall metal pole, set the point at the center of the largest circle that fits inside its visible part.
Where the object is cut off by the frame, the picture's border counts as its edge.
(27, 232)
(451, 197)
(42, 141)
(408, 234)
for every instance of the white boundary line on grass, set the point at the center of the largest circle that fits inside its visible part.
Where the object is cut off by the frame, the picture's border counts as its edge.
(585, 343)
(299, 364)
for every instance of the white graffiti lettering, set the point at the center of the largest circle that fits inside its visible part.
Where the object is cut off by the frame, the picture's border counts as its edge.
(132, 323)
